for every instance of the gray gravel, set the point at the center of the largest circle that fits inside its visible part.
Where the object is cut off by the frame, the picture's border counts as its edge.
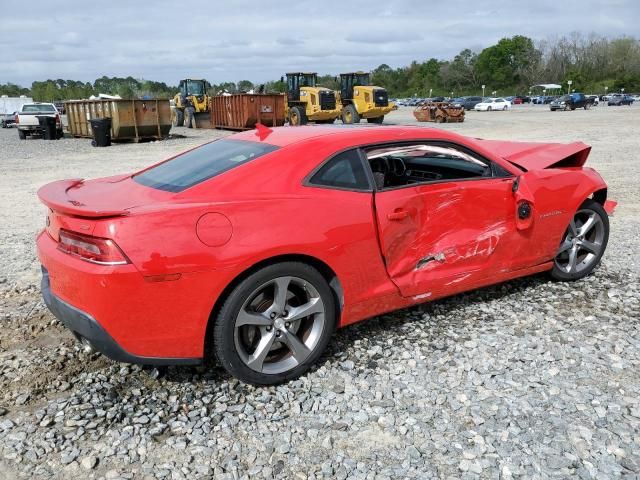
(529, 379)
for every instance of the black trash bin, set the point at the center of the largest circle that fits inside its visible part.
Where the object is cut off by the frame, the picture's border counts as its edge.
(101, 128)
(48, 127)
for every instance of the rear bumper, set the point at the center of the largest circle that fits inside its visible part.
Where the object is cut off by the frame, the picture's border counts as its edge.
(85, 327)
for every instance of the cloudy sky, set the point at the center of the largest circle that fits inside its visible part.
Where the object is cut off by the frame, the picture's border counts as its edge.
(227, 40)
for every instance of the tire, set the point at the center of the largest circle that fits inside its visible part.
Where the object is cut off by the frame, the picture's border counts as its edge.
(22, 135)
(581, 251)
(587, 106)
(505, 108)
(488, 109)
(350, 115)
(237, 347)
(59, 134)
(377, 120)
(178, 118)
(189, 117)
(297, 116)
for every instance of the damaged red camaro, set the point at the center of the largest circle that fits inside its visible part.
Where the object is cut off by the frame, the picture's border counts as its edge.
(252, 249)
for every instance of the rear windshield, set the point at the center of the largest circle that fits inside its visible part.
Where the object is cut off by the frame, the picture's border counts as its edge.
(38, 108)
(202, 163)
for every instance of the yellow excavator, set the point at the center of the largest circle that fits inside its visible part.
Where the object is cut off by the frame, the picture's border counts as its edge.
(191, 101)
(307, 102)
(360, 99)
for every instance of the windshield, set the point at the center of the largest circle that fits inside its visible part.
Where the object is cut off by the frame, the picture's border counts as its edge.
(200, 164)
(564, 98)
(38, 108)
(360, 80)
(195, 88)
(308, 80)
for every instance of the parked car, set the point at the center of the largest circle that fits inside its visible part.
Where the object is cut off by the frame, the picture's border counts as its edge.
(571, 102)
(594, 98)
(470, 102)
(8, 120)
(28, 123)
(617, 100)
(210, 253)
(489, 104)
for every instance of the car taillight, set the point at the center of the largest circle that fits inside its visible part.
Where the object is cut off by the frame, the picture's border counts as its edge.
(102, 251)
(17, 119)
(57, 119)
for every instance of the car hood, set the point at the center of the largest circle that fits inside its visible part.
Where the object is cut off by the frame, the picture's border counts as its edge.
(102, 197)
(538, 156)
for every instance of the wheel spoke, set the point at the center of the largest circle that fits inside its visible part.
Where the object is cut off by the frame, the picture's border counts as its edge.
(573, 228)
(281, 288)
(590, 247)
(573, 257)
(256, 360)
(298, 349)
(250, 318)
(589, 224)
(566, 245)
(313, 306)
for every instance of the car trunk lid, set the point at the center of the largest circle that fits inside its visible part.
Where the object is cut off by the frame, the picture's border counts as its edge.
(100, 198)
(538, 156)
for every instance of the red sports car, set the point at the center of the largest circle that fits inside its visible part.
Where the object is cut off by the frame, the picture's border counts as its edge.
(255, 247)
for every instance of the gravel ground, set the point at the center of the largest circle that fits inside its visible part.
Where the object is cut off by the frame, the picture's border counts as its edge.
(529, 379)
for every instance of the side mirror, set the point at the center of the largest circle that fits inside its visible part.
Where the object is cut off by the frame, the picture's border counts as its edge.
(515, 185)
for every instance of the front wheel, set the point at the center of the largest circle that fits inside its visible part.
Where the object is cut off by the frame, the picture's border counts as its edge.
(350, 114)
(22, 135)
(583, 243)
(275, 324)
(297, 116)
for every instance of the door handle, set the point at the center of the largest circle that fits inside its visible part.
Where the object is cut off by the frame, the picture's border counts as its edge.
(398, 214)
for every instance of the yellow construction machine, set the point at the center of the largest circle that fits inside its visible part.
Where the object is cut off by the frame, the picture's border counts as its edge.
(191, 101)
(307, 102)
(360, 99)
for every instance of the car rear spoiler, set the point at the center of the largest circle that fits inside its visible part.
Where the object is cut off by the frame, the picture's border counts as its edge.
(54, 195)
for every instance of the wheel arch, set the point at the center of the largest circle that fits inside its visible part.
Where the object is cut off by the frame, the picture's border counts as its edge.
(325, 270)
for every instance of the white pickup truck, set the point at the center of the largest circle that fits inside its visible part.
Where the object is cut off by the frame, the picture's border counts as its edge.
(28, 123)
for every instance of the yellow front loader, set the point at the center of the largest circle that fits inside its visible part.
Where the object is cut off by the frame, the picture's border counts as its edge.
(360, 99)
(191, 103)
(307, 102)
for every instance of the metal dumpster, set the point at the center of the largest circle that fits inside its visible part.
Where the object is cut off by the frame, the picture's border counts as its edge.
(244, 110)
(130, 119)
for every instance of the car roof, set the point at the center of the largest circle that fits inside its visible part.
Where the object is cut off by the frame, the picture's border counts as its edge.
(283, 136)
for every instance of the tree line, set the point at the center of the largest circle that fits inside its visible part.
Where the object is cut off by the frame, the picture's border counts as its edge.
(511, 66)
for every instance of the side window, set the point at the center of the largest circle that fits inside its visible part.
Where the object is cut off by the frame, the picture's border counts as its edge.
(396, 166)
(344, 171)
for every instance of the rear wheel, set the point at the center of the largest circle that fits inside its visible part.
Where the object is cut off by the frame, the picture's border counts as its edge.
(376, 119)
(488, 109)
(583, 243)
(22, 135)
(350, 114)
(505, 108)
(297, 116)
(275, 324)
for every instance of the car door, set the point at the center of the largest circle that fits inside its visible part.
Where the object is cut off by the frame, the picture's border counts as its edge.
(441, 234)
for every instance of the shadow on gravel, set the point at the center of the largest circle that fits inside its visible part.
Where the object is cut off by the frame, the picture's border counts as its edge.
(373, 328)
